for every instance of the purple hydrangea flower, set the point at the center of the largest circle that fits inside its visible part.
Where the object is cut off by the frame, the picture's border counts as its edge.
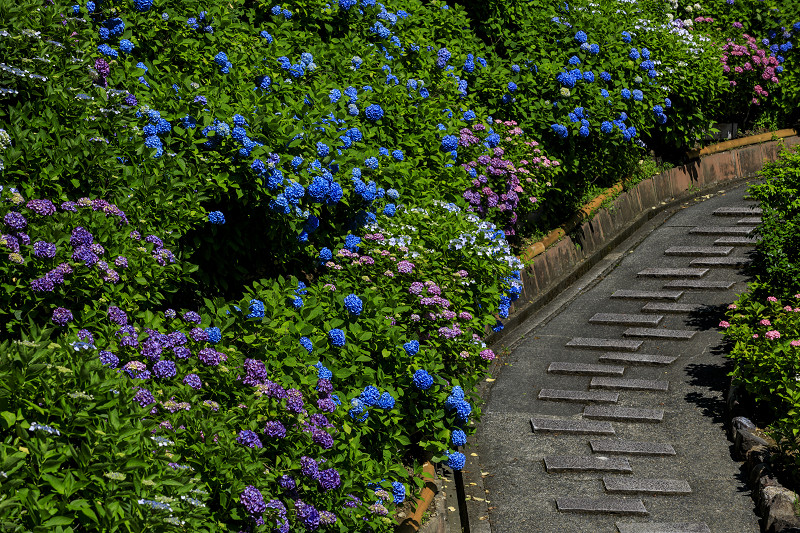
(253, 500)
(193, 380)
(62, 316)
(249, 438)
(275, 429)
(44, 249)
(42, 207)
(329, 479)
(309, 467)
(164, 369)
(109, 359)
(15, 221)
(209, 356)
(117, 315)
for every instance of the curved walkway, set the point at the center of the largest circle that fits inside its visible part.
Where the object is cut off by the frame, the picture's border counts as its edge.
(607, 415)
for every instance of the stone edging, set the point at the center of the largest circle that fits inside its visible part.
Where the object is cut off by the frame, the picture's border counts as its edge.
(774, 503)
(563, 262)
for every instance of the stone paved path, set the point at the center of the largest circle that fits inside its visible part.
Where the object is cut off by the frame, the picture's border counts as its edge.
(608, 413)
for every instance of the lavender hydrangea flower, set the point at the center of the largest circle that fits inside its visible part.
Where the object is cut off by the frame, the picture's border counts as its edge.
(15, 221)
(117, 315)
(329, 479)
(309, 467)
(164, 369)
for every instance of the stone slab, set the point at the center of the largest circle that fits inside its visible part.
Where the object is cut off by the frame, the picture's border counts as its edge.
(733, 262)
(578, 396)
(606, 505)
(614, 319)
(628, 384)
(699, 284)
(634, 485)
(722, 230)
(630, 447)
(702, 251)
(663, 527)
(749, 221)
(573, 427)
(660, 333)
(672, 272)
(673, 308)
(584, 369)
(594, 343)
(736, 241)
(646, 295)
(623, 414)
(637, 358)
(737, 211)
(587, 463)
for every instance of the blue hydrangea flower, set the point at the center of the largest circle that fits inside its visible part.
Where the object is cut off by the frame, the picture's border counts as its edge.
(214, 335)
(626, 37)
(594, 49)
(411, 347)
(512, 86)
(256, 308)
(107, 50)
(456, 460)
(626, 93)
(581, 37)
(560, 130)
(374, 112)
(458, 437)
(323, 149)
(449, 143)
(370, 395)
(398, 155)
(606, 127)
(337, 337)
(638, 95)
(353, 304)
(142, 5)
(442, 57)
(583, 132)
(371, 162)
(386, 401)
(422, 380)
(126, 46)
(398, 492)
(306, 343)
(389, 210)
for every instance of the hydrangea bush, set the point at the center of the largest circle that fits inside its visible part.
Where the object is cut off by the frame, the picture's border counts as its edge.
(266, 242)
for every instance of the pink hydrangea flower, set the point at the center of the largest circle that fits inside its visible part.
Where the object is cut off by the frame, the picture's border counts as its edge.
(732, 306)
(795, 343)
(765, 322)
(724, 324)
(773, 335)
(771, 299)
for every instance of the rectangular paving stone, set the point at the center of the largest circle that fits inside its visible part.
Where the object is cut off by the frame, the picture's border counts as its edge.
(637, 358)
(630, 447)
(623, 319)
(578, 396)
(674, 308)
(605, 505)
(587, 463)
(699, 284)
(628, 384)
(737, 211)
(585, 369)
(736, 241)
(721, 261)
(635, 485)
(749, 221)
(702, 251)
(647, 295)
(722, 230)
(623, 414)
(662, 527)
(594, 343)
(660, 333)
(672, 272)
(574, 427)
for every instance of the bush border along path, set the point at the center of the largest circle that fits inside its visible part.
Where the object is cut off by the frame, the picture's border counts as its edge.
(557, 263)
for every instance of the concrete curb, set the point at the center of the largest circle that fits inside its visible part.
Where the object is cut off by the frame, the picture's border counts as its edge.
(562, 263)
(775, 503)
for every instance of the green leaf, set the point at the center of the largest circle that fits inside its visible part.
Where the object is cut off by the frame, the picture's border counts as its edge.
(58, 521)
